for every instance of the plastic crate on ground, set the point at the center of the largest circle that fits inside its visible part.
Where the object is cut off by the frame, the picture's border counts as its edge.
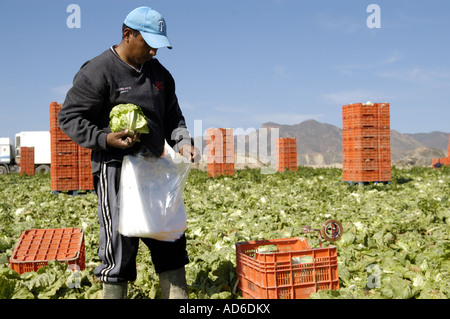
(36, 247)
(285, 269)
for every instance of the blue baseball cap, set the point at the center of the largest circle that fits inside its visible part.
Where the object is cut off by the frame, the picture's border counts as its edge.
(151, 25)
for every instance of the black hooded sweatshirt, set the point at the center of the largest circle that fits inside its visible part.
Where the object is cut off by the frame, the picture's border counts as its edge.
(106, 81)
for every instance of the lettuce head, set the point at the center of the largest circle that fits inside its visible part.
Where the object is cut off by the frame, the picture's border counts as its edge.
(128, 116)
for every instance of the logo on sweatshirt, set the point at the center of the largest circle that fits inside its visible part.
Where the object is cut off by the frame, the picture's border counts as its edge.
(124, 89)
(159, 85)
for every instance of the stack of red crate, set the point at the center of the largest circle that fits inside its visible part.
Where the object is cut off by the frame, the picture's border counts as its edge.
(27, 161)
(286, 152)
(445, 161)
(71, 163)
(366, 142)
(64, 155)
(220, 151)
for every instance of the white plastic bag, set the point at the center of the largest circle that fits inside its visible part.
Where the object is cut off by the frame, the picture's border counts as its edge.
(150, 196)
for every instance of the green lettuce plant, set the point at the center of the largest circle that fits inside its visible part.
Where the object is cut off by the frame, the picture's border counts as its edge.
(128, 116)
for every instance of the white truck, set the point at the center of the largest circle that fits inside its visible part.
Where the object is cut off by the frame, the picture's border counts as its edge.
(10, 155)
(6, 155)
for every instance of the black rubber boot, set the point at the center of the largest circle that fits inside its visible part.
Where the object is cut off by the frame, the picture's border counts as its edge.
(115, 290)
(173, 284)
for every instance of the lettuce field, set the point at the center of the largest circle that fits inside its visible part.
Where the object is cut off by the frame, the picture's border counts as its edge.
(395, 242)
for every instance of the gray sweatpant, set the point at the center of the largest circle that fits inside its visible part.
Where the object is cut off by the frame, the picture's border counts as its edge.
(118, 252)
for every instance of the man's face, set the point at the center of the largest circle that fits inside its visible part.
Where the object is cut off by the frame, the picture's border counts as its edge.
(140, 51)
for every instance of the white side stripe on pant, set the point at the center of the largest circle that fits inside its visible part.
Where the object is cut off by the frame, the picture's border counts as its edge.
(106, 215)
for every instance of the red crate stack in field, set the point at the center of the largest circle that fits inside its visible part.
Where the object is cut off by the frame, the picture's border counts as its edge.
(445, 161)
(220, 151)
(64, 155)
(27, 161)
(286, 153)
(366, 142)
(71, 163)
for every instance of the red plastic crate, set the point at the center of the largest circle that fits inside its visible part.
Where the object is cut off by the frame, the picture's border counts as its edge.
(65, 159)
(292, 270)
(64, 184)
(86, 184)
(358, 175)
(64, 177)
(220, 155)
(445, 161)
(27, 161)
(36, 247)
(366, 142)
(286, 154)
(54, 110)
(64, 171)
(84, 155)
(58, 135)
(85, 178)
(71, 164)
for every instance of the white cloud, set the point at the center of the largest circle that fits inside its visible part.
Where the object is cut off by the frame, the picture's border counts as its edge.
(394, 57)
(438, 78)
(350, 69)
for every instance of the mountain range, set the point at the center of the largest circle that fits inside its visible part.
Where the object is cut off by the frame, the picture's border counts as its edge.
(320, 144)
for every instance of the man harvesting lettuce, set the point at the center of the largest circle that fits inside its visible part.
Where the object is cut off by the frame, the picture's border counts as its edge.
(123, 102)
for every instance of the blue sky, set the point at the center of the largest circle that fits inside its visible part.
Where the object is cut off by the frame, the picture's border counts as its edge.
(239, 64)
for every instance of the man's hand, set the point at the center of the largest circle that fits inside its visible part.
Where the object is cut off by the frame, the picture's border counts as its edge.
(121, 139)
(190, 152)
